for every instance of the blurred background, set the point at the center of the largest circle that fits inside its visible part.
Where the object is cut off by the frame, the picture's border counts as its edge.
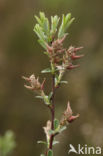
(20, 54)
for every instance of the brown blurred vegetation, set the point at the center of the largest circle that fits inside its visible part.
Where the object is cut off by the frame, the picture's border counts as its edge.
(20, 54)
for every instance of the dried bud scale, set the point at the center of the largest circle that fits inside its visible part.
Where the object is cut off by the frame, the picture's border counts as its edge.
(34, 83)
(68, 116)
(47, 130)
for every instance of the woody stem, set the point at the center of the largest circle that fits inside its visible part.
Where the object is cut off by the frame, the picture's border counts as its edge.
(52, 111)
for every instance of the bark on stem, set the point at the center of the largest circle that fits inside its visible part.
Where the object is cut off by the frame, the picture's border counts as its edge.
(52, 111)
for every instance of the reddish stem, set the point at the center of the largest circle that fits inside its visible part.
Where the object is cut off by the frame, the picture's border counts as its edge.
(52, 112)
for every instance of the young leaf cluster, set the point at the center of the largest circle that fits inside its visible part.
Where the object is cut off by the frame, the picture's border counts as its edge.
(46, 31)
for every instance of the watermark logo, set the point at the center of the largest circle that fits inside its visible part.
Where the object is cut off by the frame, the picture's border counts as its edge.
(84, 150)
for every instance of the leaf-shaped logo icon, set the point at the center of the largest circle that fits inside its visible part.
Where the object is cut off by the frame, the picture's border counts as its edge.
(72, 149)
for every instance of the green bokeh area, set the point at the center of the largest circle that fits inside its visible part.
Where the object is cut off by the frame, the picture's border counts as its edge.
(20, 54)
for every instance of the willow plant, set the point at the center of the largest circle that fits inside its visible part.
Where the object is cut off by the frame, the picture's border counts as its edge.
(51, 37)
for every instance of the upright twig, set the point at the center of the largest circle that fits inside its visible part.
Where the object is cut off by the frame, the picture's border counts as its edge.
(61, 59)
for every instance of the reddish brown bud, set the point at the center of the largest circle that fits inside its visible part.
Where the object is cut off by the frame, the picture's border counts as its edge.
(62, 39)
(72, 66)
(49, 48)
(61, 50)
(72, 118)
(68, 116)
(73, 50)
(74, 57)
(42, 85)
(77, 49)
(57, 60)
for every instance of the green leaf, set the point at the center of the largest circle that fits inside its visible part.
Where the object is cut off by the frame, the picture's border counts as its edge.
(39, 97)
(42, 142)
(50, 95)
(62, 129)
(69, 23)
(38, 20)
(44, 24)
(46, 100)
(42, 155)
(47, 70)
(42, 43)
(55, 142)
(65, 82)
(52, 68)
(54, 24)
(50, 153)
(56, 79)
(56, 124)
(61, 29)
(66, 22)
(38, 30)
(51, 132)
(46, 53)
(68, 17)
